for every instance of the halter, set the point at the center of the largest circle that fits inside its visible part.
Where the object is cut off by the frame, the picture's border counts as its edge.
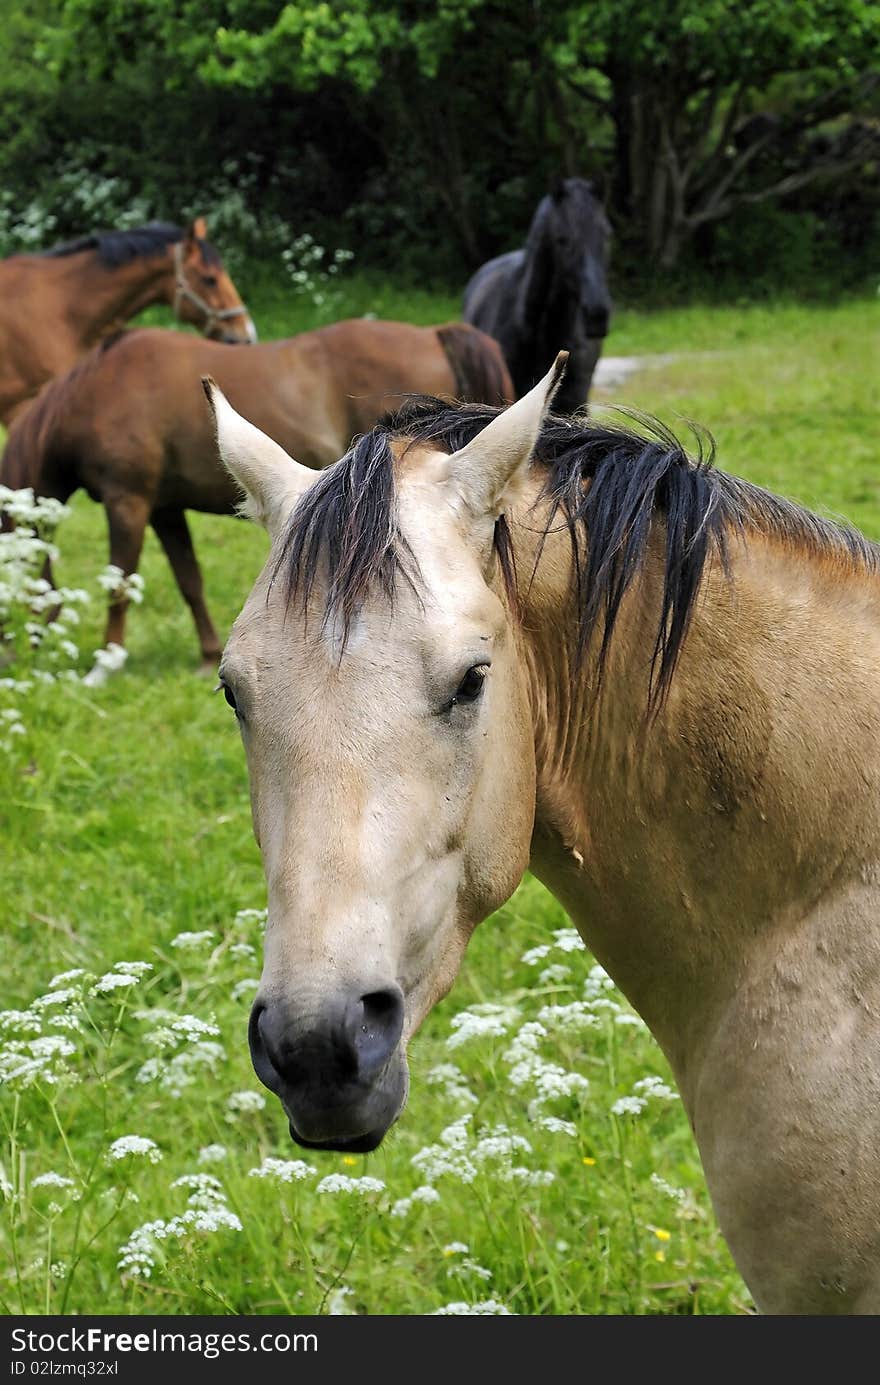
(182, 290)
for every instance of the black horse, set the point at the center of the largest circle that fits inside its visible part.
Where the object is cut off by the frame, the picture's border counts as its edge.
(551, 295)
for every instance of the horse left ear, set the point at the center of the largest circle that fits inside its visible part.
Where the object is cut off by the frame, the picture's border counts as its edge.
(197, 229)
(487, 472)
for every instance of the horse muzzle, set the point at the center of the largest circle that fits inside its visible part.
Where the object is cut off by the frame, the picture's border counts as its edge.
(340, 1074)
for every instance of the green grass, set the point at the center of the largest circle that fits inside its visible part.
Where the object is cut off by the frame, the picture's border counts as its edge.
(124, 820)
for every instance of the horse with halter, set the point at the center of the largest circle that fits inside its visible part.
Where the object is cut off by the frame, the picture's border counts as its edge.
(56, 306)
(551, 293)
(128, 424)
(537, 641)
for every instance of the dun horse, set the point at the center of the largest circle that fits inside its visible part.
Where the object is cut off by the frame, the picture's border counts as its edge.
(674, 719)
(551, 293)
(56, 306)
(129, 424)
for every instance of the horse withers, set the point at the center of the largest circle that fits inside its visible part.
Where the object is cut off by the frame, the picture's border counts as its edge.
(552, 292)
(674, 721)
(56, 306)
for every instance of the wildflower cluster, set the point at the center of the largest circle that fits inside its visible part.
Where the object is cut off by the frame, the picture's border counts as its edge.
(207, 1212)
(39, 623)
(540, 1126)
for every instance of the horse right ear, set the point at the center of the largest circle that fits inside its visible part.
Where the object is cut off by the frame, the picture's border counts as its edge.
(486, 473)
(272, 481)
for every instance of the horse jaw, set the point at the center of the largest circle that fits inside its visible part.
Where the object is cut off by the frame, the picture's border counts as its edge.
(271, 480)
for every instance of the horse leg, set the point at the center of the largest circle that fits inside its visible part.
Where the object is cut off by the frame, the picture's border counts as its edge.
(127, 519)
(174, 535)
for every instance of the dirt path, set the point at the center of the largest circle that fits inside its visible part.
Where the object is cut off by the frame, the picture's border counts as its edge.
(613, 371)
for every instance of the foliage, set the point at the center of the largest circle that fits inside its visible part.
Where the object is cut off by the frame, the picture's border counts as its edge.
(392, 127)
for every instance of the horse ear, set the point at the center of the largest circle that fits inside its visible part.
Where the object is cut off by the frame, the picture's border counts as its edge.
(271, 480)
(487, 472)
(197, 229)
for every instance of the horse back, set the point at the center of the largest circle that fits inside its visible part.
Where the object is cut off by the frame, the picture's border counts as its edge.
(490, 295)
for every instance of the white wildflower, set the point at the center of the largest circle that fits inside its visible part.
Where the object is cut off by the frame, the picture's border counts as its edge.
(452, 1080)
(655, 1087)
(568, 940)
(423, 1194)
(252, 916)
(243, 950)
(568, 1019)
(52, 1180)
(107, 661)
(499, 1143)
(337, 1305)
(528, 1178)
(557, 1126)
(485, 1307)
(480, 1022)
(64, 977)
(242, 1103)
(628, 1106)
(341, 1183)
(212, 1154)
(134, 1145)
(554, 975)
(25, 1021)
(536, 955)
(180, 1072)
(188, 942)
(677, 1194)
(62, 997)
(245, 987)
(113, 981)
(283, 1170)
(467, 1266)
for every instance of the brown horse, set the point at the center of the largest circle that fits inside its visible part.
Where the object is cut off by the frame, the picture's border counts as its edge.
(56, 306)
(129, 425)
(676, 724)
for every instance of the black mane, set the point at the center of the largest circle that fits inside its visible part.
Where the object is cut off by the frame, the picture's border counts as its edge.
(116, 248)
(346, 521)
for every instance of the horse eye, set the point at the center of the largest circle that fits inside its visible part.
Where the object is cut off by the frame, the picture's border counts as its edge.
(209, 280)
(230, 697)
(471, 685)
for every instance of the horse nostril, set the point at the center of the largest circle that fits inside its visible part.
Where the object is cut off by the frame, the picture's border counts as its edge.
(375, 1024)
(260, 1057)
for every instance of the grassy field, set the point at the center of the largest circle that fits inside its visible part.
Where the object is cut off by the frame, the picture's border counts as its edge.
(126, 840)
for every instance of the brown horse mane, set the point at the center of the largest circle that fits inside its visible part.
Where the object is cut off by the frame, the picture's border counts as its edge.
(116, 248)
(346, 524)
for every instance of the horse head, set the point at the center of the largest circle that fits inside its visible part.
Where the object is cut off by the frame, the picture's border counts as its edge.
(390, 748)
(579, 234)
(204, 294)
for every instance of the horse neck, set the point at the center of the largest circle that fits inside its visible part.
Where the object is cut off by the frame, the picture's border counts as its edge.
(543, 305)
(686, 847)
(101, 299)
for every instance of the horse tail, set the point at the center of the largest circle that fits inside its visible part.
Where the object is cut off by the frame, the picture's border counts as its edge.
(477, 364)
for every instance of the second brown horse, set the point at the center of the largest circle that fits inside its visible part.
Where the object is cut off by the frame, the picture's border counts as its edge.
(128, 423)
